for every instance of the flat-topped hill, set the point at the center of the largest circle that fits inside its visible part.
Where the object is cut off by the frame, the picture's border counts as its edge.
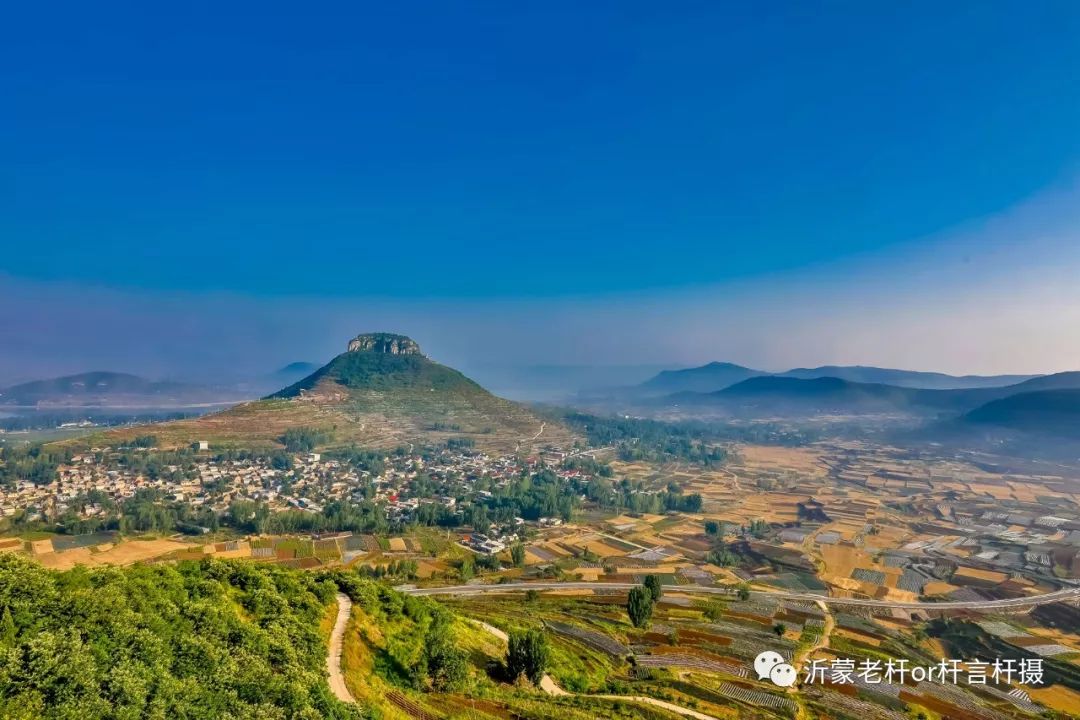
(382, 392)
(381, 361)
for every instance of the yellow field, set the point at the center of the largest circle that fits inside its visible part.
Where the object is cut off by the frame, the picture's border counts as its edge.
(602, 549)
(939, 588)
(1057, 697)
(989, 576)
(124, 553)
(805, 460)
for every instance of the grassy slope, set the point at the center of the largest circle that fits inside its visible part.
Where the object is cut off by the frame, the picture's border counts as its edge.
(379, 643)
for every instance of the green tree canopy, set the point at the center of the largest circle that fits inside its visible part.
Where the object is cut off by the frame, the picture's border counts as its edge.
(527, 654)
(639, 606)
(212, 639)
(653, 585)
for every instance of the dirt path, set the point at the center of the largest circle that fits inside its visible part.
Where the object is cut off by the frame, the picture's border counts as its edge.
(823, 640)
(672, 707)
(492, 630)
(333, 655)
(532, 439)
(799, 660)
(552, 688)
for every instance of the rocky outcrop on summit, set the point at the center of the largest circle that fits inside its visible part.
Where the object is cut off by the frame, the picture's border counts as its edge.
(387, 343)
(378, 362)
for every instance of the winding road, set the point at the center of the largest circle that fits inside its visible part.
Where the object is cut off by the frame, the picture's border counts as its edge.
(1057, 596)
(333, 654)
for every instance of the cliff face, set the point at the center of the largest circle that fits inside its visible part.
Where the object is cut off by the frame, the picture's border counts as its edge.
(385, 343)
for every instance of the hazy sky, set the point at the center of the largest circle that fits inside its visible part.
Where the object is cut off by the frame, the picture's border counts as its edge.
(230, 189)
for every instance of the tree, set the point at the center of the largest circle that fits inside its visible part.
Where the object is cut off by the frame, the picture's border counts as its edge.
(531, 596)
(714, 610)
(723, 557)
(639, 606)
(744, 592)
(281, 461)
(445, 662)
(712, 527)
(517, 554)
(467, 569)
(304, 439)
(779, 629)
(652, 584)
(527, 654)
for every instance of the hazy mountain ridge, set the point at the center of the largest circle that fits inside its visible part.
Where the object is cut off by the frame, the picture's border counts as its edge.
(107, 389)
(796, 395)
(707, 378)
(1042, 412)
(297, 368)
(716, 376)
(906, 378)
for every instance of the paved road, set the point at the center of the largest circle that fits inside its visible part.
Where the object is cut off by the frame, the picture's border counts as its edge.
(333, 655)
(1058, 596)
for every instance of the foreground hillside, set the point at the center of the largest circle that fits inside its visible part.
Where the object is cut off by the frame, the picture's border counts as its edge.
(381, 393)
(199, 641)
(237, 640)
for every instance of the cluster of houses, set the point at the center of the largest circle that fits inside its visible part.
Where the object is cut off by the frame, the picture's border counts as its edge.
(308, 485)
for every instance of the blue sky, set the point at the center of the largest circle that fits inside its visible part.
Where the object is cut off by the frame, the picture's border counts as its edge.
(485, 156)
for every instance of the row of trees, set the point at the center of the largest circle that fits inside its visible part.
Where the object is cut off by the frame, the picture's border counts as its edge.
(305, 439)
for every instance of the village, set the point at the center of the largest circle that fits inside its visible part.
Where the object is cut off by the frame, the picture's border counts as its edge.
(402, 484)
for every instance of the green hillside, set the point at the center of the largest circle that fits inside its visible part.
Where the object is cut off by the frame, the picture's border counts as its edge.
(201, 641)
(368, 370)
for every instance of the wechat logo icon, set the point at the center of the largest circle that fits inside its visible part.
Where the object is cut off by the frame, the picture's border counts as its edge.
(771, 666)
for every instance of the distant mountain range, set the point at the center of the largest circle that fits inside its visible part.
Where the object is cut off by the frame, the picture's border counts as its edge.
(1048, 404)
(707, 378)
(112, 390)
(906, 378)
(297, 369)
(719, 375)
